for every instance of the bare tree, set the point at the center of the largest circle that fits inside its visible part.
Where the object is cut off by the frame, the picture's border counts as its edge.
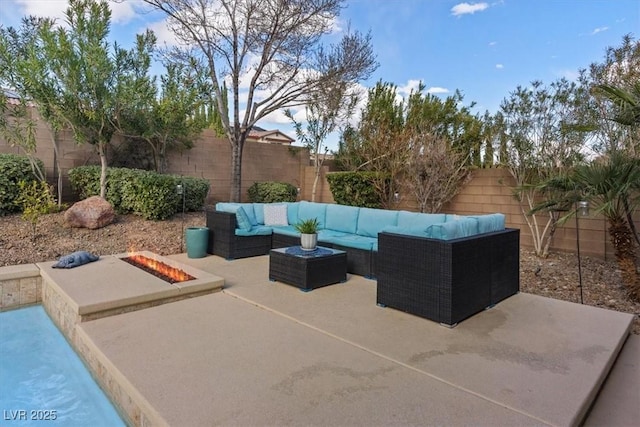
(268, 52)
(324, 114)
(434, 172)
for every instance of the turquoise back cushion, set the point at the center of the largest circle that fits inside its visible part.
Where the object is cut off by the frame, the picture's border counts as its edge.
(309, 210)
(490, 223)
(342, 218)
(258, 210)
(231, 207)
(227, 207)
(248, 208)
(463, 227)
(372, 221)
(416, 220)
(243, 219)
(292, 212)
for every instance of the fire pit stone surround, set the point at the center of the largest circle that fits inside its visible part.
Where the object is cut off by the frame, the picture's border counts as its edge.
(112, 286)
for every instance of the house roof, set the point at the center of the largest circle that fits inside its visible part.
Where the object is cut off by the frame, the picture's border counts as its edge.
(269, 136)
(12, 96)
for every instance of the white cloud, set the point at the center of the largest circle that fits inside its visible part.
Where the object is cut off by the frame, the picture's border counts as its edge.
(123, 12)
(412, 85)
(468, 8)
(434, 90)
(499, 66)
(44, 8)
(493, 43)
(163, 33)
(599, 30)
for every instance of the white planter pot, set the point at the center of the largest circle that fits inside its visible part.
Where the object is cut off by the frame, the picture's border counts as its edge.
(308, 242)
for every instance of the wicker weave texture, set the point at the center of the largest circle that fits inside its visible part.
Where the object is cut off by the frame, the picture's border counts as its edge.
(447, 281)
(307, 272)
(223, 241)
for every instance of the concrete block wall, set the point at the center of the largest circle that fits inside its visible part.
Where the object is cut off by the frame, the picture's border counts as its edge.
(488, 191)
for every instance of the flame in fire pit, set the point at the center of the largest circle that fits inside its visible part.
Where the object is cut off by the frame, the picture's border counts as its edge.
(171, 274)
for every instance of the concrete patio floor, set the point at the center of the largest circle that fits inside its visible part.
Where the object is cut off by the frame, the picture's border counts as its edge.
(264, 353)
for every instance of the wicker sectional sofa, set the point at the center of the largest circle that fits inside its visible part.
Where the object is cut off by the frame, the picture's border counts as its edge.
(439, 266)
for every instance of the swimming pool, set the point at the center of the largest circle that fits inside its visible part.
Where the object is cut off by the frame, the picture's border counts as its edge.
(42, 380)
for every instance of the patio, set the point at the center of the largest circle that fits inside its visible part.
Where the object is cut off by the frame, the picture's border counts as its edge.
(264, 353)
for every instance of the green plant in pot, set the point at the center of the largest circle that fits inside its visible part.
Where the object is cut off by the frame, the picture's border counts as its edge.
(308, 229)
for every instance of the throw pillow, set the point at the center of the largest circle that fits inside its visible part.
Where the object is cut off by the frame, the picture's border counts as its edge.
(275, 215)
(243, 219)
(75, 259)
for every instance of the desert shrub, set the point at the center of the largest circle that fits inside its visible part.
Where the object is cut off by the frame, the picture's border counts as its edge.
(34, 200)
(149, 194)
(354, 189)
(271, 192)
(14, 168)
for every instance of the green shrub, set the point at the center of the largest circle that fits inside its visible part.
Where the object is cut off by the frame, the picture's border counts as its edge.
(272, 192)
(14, 168)
(195, 192)
(35, 199)
(354, 189)
(149, 194)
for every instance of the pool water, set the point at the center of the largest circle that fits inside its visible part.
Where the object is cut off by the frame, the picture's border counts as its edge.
(42, 379)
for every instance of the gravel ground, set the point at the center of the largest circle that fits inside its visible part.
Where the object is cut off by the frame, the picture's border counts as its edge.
(554, 277)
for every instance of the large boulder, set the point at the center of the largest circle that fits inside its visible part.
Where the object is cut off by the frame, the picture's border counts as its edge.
(93, 212)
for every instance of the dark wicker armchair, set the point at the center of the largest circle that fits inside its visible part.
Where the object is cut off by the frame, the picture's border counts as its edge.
(447, 280)
(223, 241)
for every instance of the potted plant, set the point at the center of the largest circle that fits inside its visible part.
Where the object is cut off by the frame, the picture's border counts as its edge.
(308, 229)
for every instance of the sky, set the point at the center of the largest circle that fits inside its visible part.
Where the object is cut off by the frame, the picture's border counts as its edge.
(483, 49)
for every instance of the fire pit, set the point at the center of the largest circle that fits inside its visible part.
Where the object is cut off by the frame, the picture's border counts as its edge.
(158, 268)
(113, 285)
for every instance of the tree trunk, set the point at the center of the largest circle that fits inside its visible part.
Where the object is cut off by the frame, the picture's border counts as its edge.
(625, 251)
(103, 170)
(56, 163)
(236, 170)
(315, 185)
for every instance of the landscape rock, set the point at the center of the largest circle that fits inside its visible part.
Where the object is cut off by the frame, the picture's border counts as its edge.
(93, 212)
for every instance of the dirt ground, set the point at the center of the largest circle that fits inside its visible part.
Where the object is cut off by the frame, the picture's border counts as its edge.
(554, 277)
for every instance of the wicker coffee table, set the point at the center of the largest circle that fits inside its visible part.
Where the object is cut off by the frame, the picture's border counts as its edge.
(307, 270)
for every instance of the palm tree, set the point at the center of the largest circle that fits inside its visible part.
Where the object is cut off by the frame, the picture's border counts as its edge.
(627, 102)
(612, 186)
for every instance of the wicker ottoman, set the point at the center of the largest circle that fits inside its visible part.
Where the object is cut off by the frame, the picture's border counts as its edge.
(307, 270)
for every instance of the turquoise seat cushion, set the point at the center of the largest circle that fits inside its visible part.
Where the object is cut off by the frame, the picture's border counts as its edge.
(490, 223)
(342, 218)
(354, 241)
(310, 210)
(292, 212)
(325, 235)
(457, 229)
(372, 221)
(419, 220)
(258, 230)
(286, 230)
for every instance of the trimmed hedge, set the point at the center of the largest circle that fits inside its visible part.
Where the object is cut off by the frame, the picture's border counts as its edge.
(13, 169)
(354, 189)
(272, 192)
(145, 193)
